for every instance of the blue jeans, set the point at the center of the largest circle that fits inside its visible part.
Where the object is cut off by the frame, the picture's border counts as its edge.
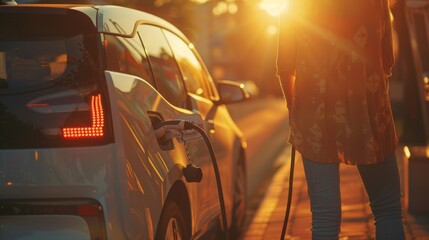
(382, 185)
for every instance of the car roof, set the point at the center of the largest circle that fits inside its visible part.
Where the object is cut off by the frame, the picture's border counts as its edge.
(110, 19)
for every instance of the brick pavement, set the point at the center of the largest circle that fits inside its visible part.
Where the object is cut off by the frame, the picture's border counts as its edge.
(266, 218)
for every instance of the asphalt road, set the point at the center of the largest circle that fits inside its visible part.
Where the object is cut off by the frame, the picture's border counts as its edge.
(264, 123)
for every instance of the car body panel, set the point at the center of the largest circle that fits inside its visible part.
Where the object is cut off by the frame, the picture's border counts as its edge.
(44, 227)
(162, 168)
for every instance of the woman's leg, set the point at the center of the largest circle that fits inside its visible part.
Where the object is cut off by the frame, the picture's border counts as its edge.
(323, 181)
(382, 185)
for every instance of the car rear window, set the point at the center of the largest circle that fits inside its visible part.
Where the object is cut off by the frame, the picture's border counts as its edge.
(51, 88)
(28, 62)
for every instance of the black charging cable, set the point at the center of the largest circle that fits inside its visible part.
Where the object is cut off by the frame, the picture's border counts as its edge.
(183, 125)
(292, 157)
(289, 197)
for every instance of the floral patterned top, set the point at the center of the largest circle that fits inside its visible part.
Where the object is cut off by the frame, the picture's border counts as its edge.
(340, 54)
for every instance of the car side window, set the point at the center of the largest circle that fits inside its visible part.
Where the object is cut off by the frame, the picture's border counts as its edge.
(126, 55)
(167, 75)
(193, 73)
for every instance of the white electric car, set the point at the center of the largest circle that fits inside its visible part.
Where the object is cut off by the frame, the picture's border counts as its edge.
(82, 89)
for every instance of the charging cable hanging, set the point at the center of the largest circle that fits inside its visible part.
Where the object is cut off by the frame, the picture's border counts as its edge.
(177, 128)
(292, 157)
(289, 198)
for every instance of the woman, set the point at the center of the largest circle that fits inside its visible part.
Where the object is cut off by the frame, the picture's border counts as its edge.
(335, 58)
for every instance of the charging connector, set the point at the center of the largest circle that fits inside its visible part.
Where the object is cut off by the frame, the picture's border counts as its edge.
(174, 129)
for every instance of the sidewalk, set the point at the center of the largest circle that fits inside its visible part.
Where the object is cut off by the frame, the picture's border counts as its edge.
(266, 220)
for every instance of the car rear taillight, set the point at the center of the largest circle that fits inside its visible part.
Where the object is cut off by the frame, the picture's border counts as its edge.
(96, 129)
(87, 210)
(74, 117)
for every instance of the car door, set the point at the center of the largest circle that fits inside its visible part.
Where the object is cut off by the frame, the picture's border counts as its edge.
(128, 67)
(201, 91)
(169, 83)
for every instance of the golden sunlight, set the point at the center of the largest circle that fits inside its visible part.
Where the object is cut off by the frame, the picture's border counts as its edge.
(274, 7)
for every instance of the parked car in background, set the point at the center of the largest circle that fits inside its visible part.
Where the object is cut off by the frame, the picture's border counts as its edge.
(81, 90)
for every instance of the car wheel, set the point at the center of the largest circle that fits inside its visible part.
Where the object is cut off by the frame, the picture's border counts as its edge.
(172, 224)
(239, 210)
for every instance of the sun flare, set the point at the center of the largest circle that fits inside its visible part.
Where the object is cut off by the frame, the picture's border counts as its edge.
(274, 7)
